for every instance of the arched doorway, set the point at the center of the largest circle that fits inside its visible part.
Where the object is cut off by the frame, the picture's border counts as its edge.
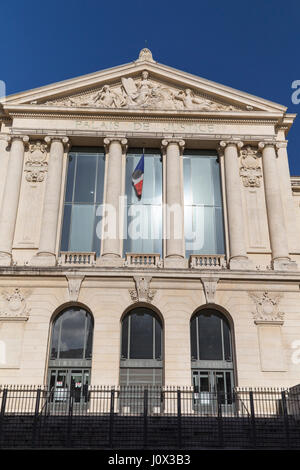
(212, 356)
(71, 354)
(141, 360)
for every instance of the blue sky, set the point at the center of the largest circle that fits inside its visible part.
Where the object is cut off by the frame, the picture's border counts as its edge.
(252, 46)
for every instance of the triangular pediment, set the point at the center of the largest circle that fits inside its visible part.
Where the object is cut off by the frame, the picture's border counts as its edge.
(143, 85)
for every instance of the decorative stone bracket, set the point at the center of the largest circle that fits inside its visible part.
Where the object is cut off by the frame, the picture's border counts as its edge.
(15, 305)
(210, 287)
(142, 291)
(267, 307)
(74, 285)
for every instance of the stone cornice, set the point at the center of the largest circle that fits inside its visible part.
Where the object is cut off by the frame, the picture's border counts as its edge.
(37, 110)
(188, 136)
(199, 137)
(163, 273)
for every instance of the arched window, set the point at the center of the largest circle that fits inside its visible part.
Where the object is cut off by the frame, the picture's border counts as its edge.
(211, 353)
(71, 351)
(210, 337)
(142, 348)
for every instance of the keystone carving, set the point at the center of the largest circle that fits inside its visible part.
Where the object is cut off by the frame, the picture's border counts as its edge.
(210, 287)
(142, 291)
(74, 284)
(267, 307)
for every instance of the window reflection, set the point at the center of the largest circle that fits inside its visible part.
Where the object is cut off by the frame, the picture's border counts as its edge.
(203, 214)
(210, 337)
(72, 334)
(143, 216)
(84, 193)
(141, 335)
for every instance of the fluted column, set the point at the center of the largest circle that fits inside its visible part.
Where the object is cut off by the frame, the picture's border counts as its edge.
(10, 200)
(174, 216)
(277, 228)
(111, 242)
(237, 244)
(47, 247)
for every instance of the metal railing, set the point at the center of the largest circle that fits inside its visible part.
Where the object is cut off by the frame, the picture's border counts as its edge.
(148, 417)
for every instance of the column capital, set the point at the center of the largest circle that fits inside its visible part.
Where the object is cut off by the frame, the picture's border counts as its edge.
(57, 138)
(121, 139)
(272, 143)
(224, 143)
(5, 137)
(23, 138)
(165, 142)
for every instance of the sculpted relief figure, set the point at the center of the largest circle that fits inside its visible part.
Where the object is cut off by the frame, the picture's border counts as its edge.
(138, 94)
(104, 98)
(190, 101)
(142, 93)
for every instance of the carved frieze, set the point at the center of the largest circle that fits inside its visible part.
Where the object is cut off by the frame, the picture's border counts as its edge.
(36, 165)
(15, 305)
(142, 291)
(250, 169)
(267, 307)
(142, 93)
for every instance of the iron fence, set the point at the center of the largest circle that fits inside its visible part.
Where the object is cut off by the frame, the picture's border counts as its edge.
(148, 417)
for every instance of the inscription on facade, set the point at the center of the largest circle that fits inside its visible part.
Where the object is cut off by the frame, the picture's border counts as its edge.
(146, 126)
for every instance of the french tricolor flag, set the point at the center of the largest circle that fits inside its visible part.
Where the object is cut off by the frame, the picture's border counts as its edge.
(138, 177)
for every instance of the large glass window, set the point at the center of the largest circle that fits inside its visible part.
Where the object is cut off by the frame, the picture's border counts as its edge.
(210, 337)
(84, 194)
(211, 358)
(203, 214)
(70, 356)
(141, 348)
(143, 217)
(141, 335)
(72, 335)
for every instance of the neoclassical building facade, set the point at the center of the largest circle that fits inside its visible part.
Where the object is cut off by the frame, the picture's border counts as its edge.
(195, 281)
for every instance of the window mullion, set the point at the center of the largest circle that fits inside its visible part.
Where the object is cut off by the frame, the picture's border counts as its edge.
(198, 339)
(129, 334)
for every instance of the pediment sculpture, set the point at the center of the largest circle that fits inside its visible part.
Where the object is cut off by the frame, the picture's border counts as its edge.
(142, 93)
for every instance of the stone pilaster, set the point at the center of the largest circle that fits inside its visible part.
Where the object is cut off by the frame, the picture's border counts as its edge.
(111, 242)
(10, 199)
(46, 255)
(174, 216)
(238, 258)
(277, 229)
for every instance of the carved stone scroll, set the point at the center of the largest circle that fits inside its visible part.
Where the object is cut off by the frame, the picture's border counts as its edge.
(142, 291)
